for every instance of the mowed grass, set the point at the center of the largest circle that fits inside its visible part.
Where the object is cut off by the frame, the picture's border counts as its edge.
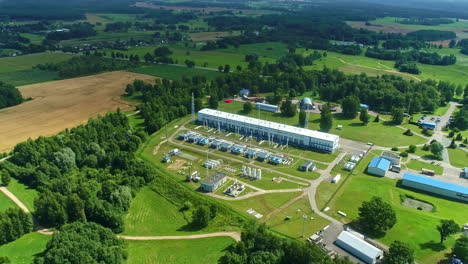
(5, 202)
(26, 62)
(380, 133)
(294, 226)
(25, 194)
(23, 250)
(419, 165)
(203, 250)
(263, 204)
(174, 72)
(458, 157)
(152, 214)
(415, 227)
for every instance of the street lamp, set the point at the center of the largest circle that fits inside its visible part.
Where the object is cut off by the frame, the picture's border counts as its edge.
(304, 224)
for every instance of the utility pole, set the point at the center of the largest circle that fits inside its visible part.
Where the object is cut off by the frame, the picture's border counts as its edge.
(304, 225)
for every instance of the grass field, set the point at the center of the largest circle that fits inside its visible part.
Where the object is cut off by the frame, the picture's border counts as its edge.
(418, 228)
(294, 226)
(22, 251)
(419, 165)
(30, 76)
(380, 133)
(203, 250)
(174, 72)
(263, 204)
(458, 157)
(63, 104)
(25, 194)
(27, 62)
(5, 202)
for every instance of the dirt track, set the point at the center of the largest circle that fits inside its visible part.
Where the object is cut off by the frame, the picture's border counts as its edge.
(63, 104)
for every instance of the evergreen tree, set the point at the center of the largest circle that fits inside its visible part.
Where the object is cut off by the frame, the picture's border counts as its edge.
(5, 177)
(213, 102)
(201, 217)
(350, 106)
(364, 116)
(326, 118)
(248, 107)
(302, 118)
(377, 119)
(397, 116)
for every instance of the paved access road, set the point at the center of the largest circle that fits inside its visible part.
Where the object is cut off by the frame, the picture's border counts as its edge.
(235, 235)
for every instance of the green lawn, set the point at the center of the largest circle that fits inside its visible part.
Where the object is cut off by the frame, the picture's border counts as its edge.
(419, 165)
(414, 227)
(5, 202)
(393, 20)
(263, 204)
(381, 133)
(458, 157)
(25, 194)
(23, 250)
(294, 226)
(174, 72)
(203, 250)
(151, 214)
(273, 50)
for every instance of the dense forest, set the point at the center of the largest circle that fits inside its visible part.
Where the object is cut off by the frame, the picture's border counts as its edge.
(431, 58)
(14, 223)
(9, 95)
(426, 21)
(87, 173)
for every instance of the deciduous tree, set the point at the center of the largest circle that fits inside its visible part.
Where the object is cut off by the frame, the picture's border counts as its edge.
(376, 215)
(447, 228)
(399, 253)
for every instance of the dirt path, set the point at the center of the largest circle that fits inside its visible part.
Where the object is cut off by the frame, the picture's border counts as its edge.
(234, 235)
(226, 198)
(12, 197)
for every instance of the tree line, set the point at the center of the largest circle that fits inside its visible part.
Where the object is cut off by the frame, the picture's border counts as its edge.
(14, 223)
(88, 173)
(415, 56)
(9, 95)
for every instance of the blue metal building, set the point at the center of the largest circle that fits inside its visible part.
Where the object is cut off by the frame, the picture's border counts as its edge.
(428, 125)
(379, 166)
(443, 188)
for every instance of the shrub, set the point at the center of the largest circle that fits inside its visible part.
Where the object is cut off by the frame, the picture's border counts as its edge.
(408, 132)
(404, 154)
(395, 149)
(412, 149)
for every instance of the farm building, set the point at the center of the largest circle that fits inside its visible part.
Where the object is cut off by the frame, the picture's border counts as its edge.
(379, 166)
(428, 125)
(276, 132)
(358, 247)
(212, 183)
(306, 104)
(307, 166)
(393, 158)
(427, 184)
(267, 107)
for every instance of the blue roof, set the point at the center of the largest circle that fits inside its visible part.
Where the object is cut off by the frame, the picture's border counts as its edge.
(380, 163)
(429, 124)
(436, 183)
(363, 106)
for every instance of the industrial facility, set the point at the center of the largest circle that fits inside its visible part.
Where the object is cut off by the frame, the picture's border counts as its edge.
(213, 183)
(359, 247)
(283, 134)
(442, 188)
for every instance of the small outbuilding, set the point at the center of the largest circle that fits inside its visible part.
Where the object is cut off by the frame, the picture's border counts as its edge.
(307, 166)
(306, 104)
(359, 247)
(379, 166)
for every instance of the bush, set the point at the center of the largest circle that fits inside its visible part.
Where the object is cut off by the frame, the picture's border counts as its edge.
(395, 149)
(451, 134)
(408, 132)
(412, 149)
(404, 154)
(426, 147)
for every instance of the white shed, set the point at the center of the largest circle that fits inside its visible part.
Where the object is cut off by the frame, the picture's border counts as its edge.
(358, 247)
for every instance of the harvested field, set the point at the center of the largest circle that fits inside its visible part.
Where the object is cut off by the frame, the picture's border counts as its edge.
(63, 104)
(215, 35)
(202, 9)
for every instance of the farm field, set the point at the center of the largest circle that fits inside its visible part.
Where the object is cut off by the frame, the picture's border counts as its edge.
(418, 228)
(63, 104)
(29, 76)
(213, 35)
(203, 250)
(22, 251)
(174, 72)
(12, 64)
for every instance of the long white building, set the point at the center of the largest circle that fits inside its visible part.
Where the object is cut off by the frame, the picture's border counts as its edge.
(267, 130)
